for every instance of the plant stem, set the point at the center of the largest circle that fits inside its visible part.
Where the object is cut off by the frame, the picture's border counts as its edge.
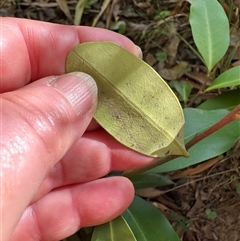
(158, 162)
(233, 115)
(198, 93)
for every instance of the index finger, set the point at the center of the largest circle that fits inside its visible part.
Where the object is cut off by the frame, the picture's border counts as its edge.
(32, 49)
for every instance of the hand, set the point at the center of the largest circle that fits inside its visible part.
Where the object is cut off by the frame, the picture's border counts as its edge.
(50, 163)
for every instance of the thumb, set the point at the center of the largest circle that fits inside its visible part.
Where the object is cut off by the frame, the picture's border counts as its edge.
(41, 122)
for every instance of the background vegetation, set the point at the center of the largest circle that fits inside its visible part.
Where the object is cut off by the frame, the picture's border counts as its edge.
(196, 49)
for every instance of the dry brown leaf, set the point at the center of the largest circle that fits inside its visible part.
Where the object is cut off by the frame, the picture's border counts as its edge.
(150, 59)
(103, 8)
(160, 206)
(199, 77)
(171, 48)
(116, 5)
(196, 170)
(39, 4)
(168, 202)
(195, 208)
(144, 4)
(174, 73)
(236, 63)
(64, 7)
(148, 192)
(114, 11)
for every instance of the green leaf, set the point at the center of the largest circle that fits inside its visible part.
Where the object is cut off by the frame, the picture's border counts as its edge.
(228, 100)
(79, 8)
(228, 78)
(211, 214)
(199, 120)
(210, 30)
(162, 15)
(145, 180)
(115, 230)
(148, 223)
(214, 145)
(135, 105)
(181, 222)
(119, 25)
(183, 88)
(161, 56)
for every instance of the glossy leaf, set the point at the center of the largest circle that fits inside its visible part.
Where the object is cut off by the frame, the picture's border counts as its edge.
(228, 100)
(214, 145)
(145, 180)
(199, 120)
(148, 223)
(228, 78)
(210, 30)
(115, 230)
(135, 106)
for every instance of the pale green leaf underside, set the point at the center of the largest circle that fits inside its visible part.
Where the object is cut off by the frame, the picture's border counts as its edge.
(115, 230)
(210, 29)
(135, 105)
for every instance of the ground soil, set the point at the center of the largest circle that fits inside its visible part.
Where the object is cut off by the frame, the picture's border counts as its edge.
(204, 205)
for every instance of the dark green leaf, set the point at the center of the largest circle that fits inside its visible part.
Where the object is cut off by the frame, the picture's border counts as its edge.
(115, 230)
(214, 145)
(228, 78)
(148, 223)
(228, 100)
(145, 180)
(199, 120)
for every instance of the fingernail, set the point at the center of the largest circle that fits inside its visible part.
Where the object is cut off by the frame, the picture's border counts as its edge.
(140, 54)
(79, 88)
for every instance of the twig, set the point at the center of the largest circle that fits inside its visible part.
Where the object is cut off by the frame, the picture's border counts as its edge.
(148, 167)
(233, 115)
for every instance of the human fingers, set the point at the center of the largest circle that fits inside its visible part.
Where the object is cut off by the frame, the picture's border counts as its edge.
(77, 206)
(32, 49)
(41, 122)
(92, 156)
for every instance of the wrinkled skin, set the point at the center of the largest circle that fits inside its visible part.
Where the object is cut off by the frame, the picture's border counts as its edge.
(52, 155)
